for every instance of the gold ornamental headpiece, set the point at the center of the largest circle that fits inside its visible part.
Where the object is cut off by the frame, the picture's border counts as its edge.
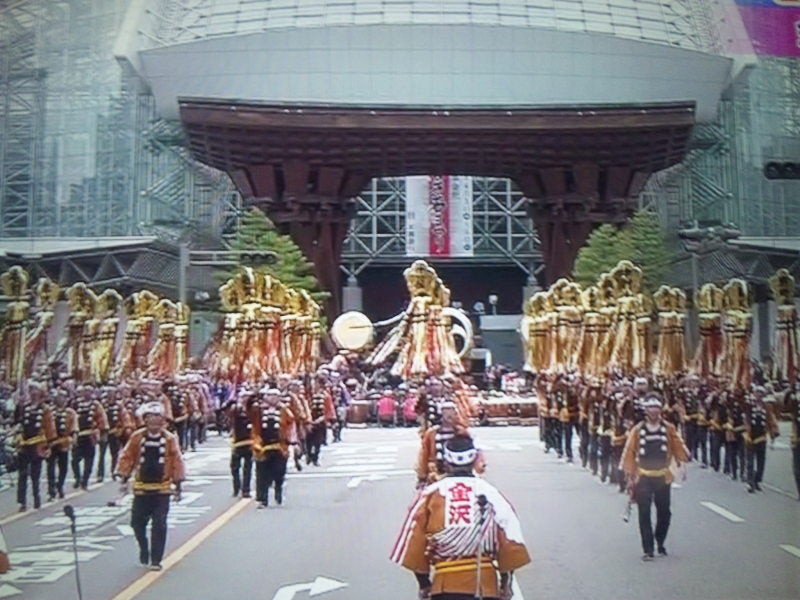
(15, 282)
(782, 286)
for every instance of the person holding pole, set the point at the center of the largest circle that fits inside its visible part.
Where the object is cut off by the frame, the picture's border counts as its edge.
(461, 538)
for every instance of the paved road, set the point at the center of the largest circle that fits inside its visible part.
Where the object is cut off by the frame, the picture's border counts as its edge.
(333, 534)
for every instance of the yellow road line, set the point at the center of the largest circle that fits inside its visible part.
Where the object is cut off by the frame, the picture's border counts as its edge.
(141, 584)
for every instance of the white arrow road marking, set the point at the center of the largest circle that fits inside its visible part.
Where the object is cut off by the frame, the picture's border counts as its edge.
(7, 590)
(355, 481)
(723, 512)
(320, 585)
(794, 550)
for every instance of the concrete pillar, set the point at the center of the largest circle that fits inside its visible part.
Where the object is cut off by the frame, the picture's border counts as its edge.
(352, 295)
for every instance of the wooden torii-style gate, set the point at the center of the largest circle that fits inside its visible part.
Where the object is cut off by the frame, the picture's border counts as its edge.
(578, 166)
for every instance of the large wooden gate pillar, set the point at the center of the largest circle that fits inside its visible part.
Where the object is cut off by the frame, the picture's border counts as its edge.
(313, 205)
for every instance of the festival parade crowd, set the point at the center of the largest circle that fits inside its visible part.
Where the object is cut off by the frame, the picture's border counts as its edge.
(607, 365)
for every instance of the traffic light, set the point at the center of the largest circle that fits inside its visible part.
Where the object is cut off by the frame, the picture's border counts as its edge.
(782, 170)
(256, 258)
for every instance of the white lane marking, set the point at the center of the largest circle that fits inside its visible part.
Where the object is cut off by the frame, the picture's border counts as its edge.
(517, 593)
(350, 473)
(360, 461)
(723, 512)
(356, 481)
(778, 490)
(359, 468)
(794, 550)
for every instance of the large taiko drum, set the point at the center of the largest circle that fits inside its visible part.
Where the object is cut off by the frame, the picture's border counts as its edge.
(352, 330)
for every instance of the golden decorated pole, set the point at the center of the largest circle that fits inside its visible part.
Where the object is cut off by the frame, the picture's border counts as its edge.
(15, 286)
(787, 332)
(709, 356)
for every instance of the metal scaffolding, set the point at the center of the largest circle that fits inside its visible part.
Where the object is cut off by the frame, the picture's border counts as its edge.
(721, 180)
(82, 152)
(503, 232)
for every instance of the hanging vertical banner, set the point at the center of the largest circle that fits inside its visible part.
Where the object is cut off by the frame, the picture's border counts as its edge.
(773, 26)
(439, 216)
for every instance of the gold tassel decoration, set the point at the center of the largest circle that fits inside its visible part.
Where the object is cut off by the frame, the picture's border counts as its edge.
(737, 329)
(708, 358)
(15, 286)
(787, 332)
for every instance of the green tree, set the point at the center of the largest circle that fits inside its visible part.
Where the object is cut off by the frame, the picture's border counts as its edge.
(603, 250)
(640, 241)
(649, 248)
(258, 234)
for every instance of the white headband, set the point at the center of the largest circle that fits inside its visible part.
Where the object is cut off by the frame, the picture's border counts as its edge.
(460, 459)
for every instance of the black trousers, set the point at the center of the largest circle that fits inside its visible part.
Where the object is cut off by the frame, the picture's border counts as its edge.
(756, 456)
(651, 490)
(150, 507)
(592, 452)
(314, 441)
(57, 461)
(585, 436)
(690, 430)
(197, 432)
(242, 473)
(29, 465)
(606, 452)
(182, 431)
(268, 471)
(700, 451)
(617, 474)
(796, 466)
(83, 455)
(566, 437)
(113, 446)
(716, 441)
(733, 456)
(553, 435)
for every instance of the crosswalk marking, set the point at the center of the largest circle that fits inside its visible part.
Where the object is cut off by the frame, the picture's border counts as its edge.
(723, 512)
(793, 550)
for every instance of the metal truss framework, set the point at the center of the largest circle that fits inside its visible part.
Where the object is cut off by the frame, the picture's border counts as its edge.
(82, 152)
(721, 179)
(154, 265)
(22, 110)
(503, 231)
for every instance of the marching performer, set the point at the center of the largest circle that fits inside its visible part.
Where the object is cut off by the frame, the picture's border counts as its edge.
(272, 424)
(241, 442)
(37, 430)
(65, 420)
(92, 423)
(465, 531)
(792, 405)
(120, 426)
(430, 462)
(651, 446)
(759, 423)
(322, 412)
(152, 457)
